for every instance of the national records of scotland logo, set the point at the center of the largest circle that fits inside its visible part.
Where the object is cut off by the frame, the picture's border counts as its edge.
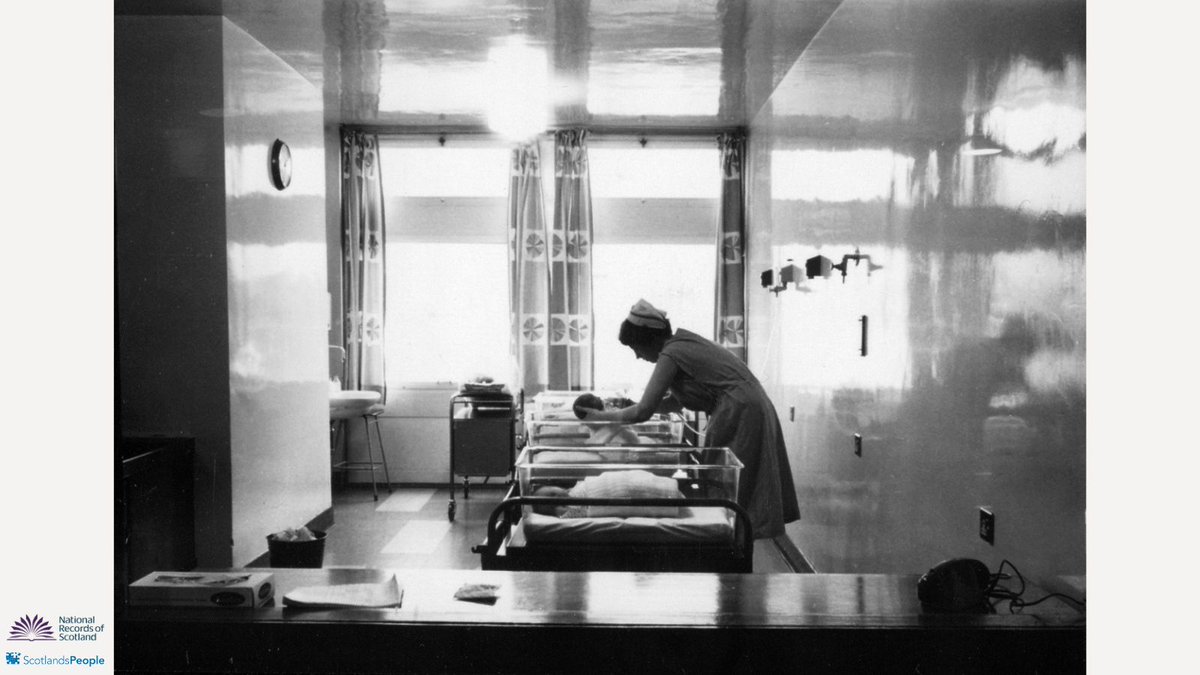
(31, 629)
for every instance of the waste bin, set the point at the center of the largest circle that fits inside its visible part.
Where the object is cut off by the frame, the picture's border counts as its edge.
(283, 553)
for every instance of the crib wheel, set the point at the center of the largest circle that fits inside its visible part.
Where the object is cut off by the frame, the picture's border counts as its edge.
(450, 512)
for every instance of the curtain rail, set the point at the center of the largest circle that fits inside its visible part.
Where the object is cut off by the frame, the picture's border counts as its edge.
(473, 130)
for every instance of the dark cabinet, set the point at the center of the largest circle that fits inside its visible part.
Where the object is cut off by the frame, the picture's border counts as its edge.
(155, 509)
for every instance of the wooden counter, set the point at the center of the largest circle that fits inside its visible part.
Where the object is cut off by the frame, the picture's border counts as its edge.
(605, 621)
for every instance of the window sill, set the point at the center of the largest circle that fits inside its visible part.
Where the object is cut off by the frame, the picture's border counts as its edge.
(426, 386)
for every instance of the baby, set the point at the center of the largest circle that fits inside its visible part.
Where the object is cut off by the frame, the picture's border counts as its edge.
(606, 433)
(629, 484)
(560, 510)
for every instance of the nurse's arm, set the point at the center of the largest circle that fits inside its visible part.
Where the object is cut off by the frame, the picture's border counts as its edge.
(664, 373)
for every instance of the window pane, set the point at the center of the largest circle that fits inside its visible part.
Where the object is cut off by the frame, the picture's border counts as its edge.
(447, 312)
(657, 172)
(655, 217)
(655, 213)
(461, 170)
(447, 276)
(677, 279)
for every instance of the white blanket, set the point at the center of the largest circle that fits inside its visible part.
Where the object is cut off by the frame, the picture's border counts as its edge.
(695, 524)
(631, 484)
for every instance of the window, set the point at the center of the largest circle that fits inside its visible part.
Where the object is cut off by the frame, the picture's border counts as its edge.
(654, 212)
(447, 258)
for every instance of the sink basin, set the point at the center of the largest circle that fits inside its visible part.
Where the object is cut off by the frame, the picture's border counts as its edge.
(350, 403)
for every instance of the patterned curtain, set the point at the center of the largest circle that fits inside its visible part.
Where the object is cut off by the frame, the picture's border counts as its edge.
(362, 262)
(731, 263)
(570, 351)
(529, 269)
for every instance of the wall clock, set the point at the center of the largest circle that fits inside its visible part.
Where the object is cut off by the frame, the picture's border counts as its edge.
(281, 164)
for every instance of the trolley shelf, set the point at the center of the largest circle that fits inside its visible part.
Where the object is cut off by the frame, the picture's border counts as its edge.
(482, 438)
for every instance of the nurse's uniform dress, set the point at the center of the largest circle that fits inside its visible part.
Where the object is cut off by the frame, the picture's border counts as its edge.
(742, 418)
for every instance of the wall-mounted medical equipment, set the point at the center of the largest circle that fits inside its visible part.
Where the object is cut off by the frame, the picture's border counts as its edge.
(788, 274)
(862, 350)
(816, 266)
(825, 266)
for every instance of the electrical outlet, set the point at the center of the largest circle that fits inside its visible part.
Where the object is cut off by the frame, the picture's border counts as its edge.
(987, 525)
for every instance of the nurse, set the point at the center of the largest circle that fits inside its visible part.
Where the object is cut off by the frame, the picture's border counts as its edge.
(701, 375)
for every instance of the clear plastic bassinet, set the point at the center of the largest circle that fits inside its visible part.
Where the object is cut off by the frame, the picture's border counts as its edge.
(708, 473)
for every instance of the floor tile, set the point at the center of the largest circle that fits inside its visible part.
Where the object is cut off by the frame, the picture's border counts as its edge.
(418, 536)
(406, 500)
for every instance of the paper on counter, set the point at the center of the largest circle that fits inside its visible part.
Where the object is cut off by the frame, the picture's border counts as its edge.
(386, 593)
(483, 593)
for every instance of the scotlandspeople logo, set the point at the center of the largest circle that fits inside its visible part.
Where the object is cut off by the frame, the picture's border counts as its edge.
(31, 629)
(36, 629)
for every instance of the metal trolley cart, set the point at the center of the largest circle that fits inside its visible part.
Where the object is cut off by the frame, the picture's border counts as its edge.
(482, 438)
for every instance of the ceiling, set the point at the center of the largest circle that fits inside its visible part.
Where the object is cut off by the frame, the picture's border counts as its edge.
(645, 65)
(613, 63)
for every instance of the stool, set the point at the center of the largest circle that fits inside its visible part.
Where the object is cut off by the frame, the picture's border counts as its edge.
(372, 414)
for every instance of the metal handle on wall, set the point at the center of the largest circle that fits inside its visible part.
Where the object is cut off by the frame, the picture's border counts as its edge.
(863, 348)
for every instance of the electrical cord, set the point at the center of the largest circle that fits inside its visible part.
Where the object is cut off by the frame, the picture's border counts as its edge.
(1015, 602)
(690, 428)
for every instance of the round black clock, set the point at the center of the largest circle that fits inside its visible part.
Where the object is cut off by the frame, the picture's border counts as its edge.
(281, 164)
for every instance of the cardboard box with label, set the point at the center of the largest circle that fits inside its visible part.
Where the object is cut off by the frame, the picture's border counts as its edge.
(203, 589)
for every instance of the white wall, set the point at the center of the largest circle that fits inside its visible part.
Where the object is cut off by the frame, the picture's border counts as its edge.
(275, 243)
(973, 392)
(416, 435)
(221, 278)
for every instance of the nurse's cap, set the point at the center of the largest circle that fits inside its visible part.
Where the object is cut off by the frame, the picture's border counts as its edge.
(646, 314)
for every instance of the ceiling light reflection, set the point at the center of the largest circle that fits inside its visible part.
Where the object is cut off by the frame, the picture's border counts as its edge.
(518, 83)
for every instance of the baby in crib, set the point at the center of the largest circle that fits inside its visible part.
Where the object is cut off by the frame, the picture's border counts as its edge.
(630, 484)
(562, 511)
(605, 434)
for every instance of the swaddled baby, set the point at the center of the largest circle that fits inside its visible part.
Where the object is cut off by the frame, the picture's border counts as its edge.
(605, 433)
(631, 484)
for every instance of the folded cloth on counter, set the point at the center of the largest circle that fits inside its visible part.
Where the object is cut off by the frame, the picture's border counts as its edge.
(386, 593)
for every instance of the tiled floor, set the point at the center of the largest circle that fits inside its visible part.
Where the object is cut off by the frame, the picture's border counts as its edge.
(410, 528)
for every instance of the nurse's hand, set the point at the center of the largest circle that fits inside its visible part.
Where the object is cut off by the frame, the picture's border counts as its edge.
(590, 414)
